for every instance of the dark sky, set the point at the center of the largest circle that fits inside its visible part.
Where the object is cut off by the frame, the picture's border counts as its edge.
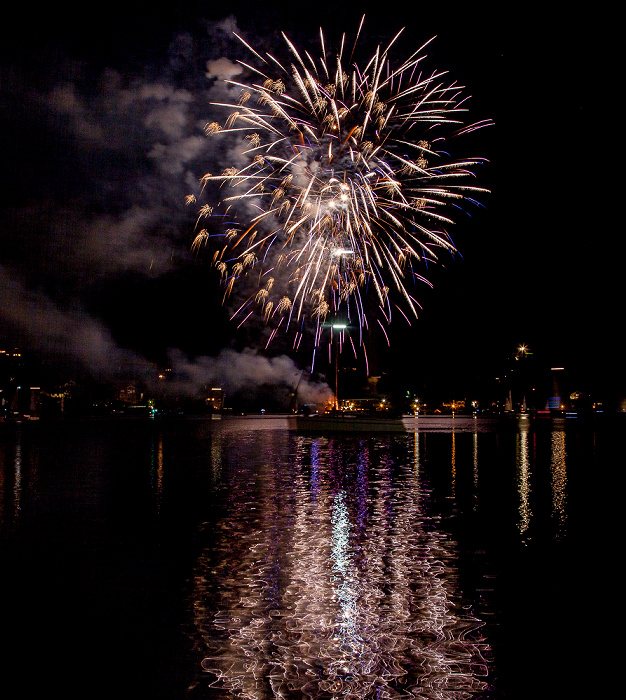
(101, 135)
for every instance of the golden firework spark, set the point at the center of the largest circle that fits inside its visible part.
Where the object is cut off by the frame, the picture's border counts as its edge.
(350, 180)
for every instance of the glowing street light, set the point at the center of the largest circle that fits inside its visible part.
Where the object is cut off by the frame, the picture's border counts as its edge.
(338, 326)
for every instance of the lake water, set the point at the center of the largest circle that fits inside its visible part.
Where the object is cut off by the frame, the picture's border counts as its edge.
(198, 558)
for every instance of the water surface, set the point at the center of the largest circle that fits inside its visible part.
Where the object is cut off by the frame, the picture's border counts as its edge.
(218, 559)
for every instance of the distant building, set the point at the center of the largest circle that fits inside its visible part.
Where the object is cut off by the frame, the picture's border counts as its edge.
(215, 398)
(454, 405)
(554, 403)
(130, 393)
(367, 403)
(34, 406)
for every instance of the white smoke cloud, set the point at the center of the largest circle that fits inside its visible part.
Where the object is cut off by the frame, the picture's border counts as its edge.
(64, 100)
(37, 321)
(128, 242)
(123, 151)
(235, 371)
(222, 69)
(84, 341)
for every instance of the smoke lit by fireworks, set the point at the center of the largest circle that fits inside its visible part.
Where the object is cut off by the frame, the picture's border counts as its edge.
(346, 190)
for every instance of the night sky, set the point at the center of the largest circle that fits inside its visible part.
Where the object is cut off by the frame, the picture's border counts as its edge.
(101, 131)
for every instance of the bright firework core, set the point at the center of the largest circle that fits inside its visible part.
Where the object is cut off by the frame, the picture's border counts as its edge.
(346, 189)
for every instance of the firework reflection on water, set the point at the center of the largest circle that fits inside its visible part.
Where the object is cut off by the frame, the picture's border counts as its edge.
(328, 579)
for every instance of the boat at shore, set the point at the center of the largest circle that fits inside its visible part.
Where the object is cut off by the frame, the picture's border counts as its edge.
(379, 423)
(350, 422)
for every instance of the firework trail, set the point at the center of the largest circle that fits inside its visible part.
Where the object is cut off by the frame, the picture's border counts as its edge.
(346, 186)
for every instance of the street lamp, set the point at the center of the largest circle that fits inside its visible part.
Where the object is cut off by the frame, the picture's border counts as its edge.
(340, 253)
(337, 326)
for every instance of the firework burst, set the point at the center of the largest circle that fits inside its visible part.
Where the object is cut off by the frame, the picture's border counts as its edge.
(346, 188)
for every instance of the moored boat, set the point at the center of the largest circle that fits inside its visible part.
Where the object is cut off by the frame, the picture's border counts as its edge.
(350, 422)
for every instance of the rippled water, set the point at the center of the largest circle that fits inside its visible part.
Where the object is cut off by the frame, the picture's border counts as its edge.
(333, 580)
(236, 558)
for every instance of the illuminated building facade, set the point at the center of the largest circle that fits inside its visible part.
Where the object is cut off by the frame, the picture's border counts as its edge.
(215, 398)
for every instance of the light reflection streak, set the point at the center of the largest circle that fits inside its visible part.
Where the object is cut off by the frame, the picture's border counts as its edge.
(17, 479)
(416, 453)
(216, 457)
(2, 484)
(157, 470)
(345, 591)
(315, 468)
(559, 480)
(475, 466)
(523, 478)
(334, 583)
(453, 464)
